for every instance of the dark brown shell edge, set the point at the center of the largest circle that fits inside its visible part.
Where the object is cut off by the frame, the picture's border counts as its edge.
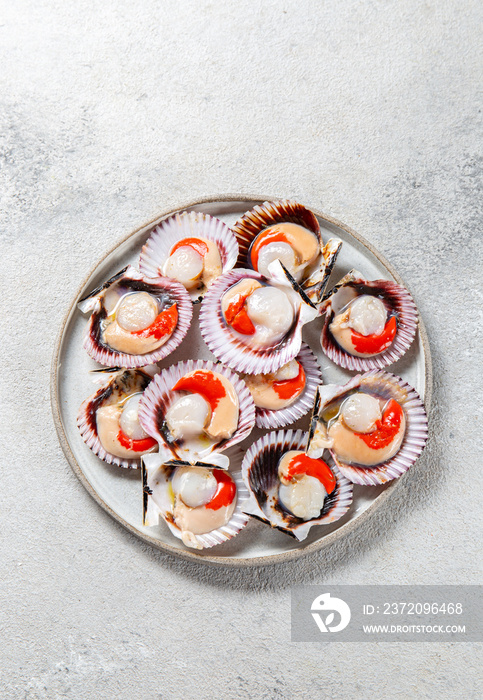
(260, 473)
(398, 303)
(86, 419)
(267, 214)
(316, 284)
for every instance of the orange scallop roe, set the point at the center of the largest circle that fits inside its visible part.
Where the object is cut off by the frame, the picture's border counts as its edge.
(225, 492)
(302, 464)
(164, 324)
(204, 383)
(237, 316)
(386, 429)
(288, 388)
(197, 244)
(136, 445)
(374, 344)
(262, 240)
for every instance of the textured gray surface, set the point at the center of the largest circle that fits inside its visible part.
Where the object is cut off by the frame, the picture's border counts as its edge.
(111, 112)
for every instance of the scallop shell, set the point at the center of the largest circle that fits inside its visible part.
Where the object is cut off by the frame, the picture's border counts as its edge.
(316, 284)
(260, 473)
(267, 214)
(388, 386)
(86, 418)
(130, 278)
(156, 470)
(156, 250)
(160, 396)
(397, 300)
(228, 348)
(268, 418)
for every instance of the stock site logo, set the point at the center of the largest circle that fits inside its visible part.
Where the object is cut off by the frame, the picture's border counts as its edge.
(325, 603)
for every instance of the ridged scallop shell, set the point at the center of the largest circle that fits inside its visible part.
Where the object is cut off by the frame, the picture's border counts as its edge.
(387, 386)
(267, 214)
(160, 396)
(127, 278)
(260, 473)
(156, 250)
(269, 418)
(86, 418)
(262, 216)
(397, 300)
(229, 349)
(156, 473)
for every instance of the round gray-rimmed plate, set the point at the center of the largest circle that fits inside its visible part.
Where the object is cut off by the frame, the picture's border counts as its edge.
(119, 491)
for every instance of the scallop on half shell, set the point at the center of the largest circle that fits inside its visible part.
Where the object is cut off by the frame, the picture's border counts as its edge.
(108, 420)
(368, 324)
(287, 394)
(375, 427)
(197, 407)
(135, 321)
(191, 248)
(290, 491)
(289, 232)
(254, 324)
(200, 502)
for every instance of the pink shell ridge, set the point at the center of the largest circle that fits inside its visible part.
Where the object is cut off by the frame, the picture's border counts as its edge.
(294, 440)
(227, 347)
(406, 331)
(158, 394)
(413, 443)
(112, 358)
(163, 237)
(271, 419)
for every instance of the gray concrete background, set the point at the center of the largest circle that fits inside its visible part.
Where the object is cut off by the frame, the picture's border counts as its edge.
(111, 112)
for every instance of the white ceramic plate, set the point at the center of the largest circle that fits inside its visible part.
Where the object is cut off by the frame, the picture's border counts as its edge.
(119, 491)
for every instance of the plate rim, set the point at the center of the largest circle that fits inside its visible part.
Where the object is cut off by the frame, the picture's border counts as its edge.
(235, 562)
